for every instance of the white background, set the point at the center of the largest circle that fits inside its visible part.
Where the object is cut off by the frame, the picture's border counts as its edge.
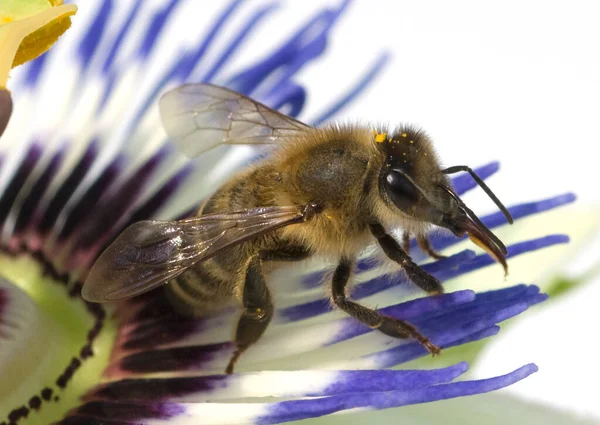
(514, 81)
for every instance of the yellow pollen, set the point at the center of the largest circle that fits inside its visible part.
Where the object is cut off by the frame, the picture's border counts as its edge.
(403, 134)
(379, 137)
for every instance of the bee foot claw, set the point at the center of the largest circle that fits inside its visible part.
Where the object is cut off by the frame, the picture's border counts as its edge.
(433, 349)
(400, 329)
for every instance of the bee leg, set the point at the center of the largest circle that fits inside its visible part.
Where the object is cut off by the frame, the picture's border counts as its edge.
(406, 242)
(258, 311)
(258, 308)
(394, 251)
(427, 249)
(388, 325)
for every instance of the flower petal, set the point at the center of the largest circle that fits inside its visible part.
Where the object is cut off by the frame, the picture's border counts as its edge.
(301, 409)
(447, 320)
(278, 412)
(305, 383)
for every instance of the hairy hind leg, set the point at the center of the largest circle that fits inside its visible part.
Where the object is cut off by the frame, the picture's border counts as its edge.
(258, 310)
(256, 299)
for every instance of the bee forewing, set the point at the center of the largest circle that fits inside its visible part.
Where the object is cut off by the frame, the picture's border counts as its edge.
(150, 253)
(199, 117)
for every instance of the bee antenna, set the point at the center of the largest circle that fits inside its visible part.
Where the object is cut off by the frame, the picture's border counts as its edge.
(486, 189)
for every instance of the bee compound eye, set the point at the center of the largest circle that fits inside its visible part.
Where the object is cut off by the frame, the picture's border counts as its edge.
(401, 191)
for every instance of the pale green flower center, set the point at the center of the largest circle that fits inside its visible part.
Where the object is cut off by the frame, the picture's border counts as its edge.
(45, 355)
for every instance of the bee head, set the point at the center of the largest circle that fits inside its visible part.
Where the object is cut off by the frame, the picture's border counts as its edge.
(412, 181)
(411, 178)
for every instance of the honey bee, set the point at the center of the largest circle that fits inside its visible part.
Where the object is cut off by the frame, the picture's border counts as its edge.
(328, 191)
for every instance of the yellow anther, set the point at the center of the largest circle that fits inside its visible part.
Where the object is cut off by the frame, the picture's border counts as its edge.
(28, 29)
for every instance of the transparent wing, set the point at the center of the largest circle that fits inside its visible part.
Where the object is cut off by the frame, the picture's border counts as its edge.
(150, 253)
(199, 117)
